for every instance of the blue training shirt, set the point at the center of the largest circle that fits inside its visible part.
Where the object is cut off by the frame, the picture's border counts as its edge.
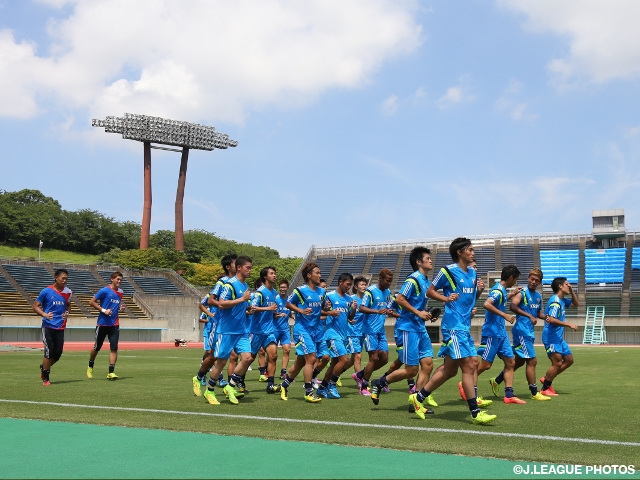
(233, 320)
(530, 302)
(263, 322)
(282, 323)
(54, 301)
(457, 315)
(355, 329)
(494, 325)
(336, 327)
(375, 299)
(109, 298)
(414, 289)
(555, 308)
(304, 297)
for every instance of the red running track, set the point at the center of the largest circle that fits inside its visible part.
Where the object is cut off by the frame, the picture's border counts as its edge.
(80, 346)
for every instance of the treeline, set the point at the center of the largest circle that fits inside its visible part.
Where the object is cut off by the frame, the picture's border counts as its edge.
(28, 216)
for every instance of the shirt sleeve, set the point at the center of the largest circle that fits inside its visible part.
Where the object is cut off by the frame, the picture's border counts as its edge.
(367, 300)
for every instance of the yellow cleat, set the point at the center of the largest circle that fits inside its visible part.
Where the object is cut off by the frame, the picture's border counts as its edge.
(541, 397)
(430, 401)
(482, 403)
(230, 392)
(339, 383)
(112, 376)
(483, 418)
(211, 397)
(283, 394)
(196, 386)
(418, 407)
(90, 372)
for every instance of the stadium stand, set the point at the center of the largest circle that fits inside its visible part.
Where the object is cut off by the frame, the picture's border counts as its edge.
(380, 261)
(32, 279)
(156, 285)
(519, 255)
(559, 262)
(604, 266)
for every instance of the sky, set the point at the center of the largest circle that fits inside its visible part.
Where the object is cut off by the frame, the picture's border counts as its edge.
(357, 122)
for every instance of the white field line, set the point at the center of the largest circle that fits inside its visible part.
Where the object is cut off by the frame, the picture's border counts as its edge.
(335, 424)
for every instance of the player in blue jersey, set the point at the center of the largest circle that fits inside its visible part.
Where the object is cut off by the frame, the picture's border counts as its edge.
(354, 336)
(417, 351)
(495, 340)
(306, 301)
(52, 304)
(527, 305)
(339, 309)
(228, 263)
(207, 315)
(553, 333)
(322, 352)
(283, 331)
(231, 334)
(108, 301)
(262, 327)
(459, 285)
(375, 309)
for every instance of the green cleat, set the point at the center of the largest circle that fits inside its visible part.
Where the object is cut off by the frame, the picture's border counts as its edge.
(339, 382)
(230, 392)
(112, 376)
(313, 397)
(89, 372)
(483, 418)
(482, 403)
(430, 401)
(495, 388)
(196, 386)
(417, 406)
(284, 394)
(263, 378)
(210, 396)
(541, 397)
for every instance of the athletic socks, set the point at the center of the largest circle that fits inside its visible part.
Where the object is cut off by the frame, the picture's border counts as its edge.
(422, 394)
(473, 407)
(91, 362)
(287, 381)
(410, 381)
(235, 380)
(112, 367)
(316, 372)
(360, 374)
(365, 384)
(508, 392)
(546, 384)
(334, 379)
(308, 388)
(533, 388)
(200, 375)
(45, 374)
(270, 381)
(500, 378)
(212, 384)
(262, 370)
(382, 381)
(283, 371)
(325, 384)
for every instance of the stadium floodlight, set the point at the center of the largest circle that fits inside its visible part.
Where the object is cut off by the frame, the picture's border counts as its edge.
(163, 131)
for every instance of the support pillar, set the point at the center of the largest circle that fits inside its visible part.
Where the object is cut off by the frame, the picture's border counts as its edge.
(182, 179)
(146, 208)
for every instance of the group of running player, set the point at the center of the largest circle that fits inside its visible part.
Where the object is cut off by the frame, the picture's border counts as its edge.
(332, 328)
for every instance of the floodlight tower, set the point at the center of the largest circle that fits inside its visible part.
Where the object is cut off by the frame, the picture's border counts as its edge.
(162, 131)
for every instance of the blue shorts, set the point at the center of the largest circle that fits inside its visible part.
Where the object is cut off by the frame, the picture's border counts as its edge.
(226, 342)
(561, 348)
(336, 348)
(322, 350)
(354, 344)
(457, 344)
(523, 347)
(259, 341)
(305, 345)
(283, 337)
(413, 347)
(490, 346)
(376, 341)
(209, 340)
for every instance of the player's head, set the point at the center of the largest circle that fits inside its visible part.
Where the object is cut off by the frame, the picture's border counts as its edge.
(359, 284)
(420, 256)
(243, 266)
(228, 263)
(510, 275)
(283, 287)
(268, 273)
(116, 278)
(385, 278)
(257, 283)
(535, 278)
(311, 273)
(461, 249)
(345, 282)
(115, 275)
(557, 283)
(323, 283)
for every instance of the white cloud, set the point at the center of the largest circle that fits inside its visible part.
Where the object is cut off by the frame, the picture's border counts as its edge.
(456, 95)
(633, 131)
(511, 102)
(603, 37)
(201, 59)
(390, 105)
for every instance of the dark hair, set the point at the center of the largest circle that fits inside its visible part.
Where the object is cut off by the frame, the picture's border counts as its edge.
(243, 259)
(386, 273)
(458, 244)
(323, 280)
(59, 272)
(227, 260)
(307, 269)
(357, 280)
(286, 282)
(509, 271)
(116, 274)
(416, 255)
(265, 271)
(257, 283)
(344, 277)
(555, 285)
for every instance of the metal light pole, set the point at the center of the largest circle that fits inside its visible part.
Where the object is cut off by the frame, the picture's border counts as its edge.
(156, 130)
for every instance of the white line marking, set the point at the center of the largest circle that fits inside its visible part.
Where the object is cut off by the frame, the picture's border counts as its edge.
(338, 424)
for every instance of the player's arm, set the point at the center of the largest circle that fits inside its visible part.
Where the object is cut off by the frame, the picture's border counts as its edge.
(433, 294)
(95, 304)
(574, 298)
(37, 307)
(293, 307)
(515, 308)
(404, 303)
(489, 306)
(559, 323)
(230, 303)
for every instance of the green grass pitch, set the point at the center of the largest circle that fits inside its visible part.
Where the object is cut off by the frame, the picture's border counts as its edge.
(599, 400)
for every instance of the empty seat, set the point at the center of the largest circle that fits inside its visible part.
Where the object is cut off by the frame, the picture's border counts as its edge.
(32, 279)
(383, 260)
(156, 286)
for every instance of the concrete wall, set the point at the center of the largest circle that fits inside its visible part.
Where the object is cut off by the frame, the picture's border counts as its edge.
(180, 314)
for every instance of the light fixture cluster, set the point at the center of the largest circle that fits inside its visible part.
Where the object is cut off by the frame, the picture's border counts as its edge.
(144, 128)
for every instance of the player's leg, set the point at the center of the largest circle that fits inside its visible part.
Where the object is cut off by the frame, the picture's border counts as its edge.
(114, 337)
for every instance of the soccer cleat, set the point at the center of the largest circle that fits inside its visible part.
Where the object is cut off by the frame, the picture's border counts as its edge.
(540, 396)
(376, 389)
(210, 396)
(430, 401)
(461, 390)
(339, 382)
(541, 379)
(112, 376)
(223, 383)
(365, 392)
(412, 389)
(513, 400)
(90, 372)
(333, 391)
(386, 389)
(263, 378)
(203, 382)
(417, 406)
(549, 392)
(46, 383)
(323, 391)
(357, 379)
(312, 398)
(495, 388)
(230, 392)
(240, 390)
(282, 376)
(284, 394)
(196, 386)
(483, 418)
(273, 388)
(482, 403)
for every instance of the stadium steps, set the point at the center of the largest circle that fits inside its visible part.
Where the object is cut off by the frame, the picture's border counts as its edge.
(367, 264)
(12, 303)
(29, 299)
(498, 265)
(398, 280)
